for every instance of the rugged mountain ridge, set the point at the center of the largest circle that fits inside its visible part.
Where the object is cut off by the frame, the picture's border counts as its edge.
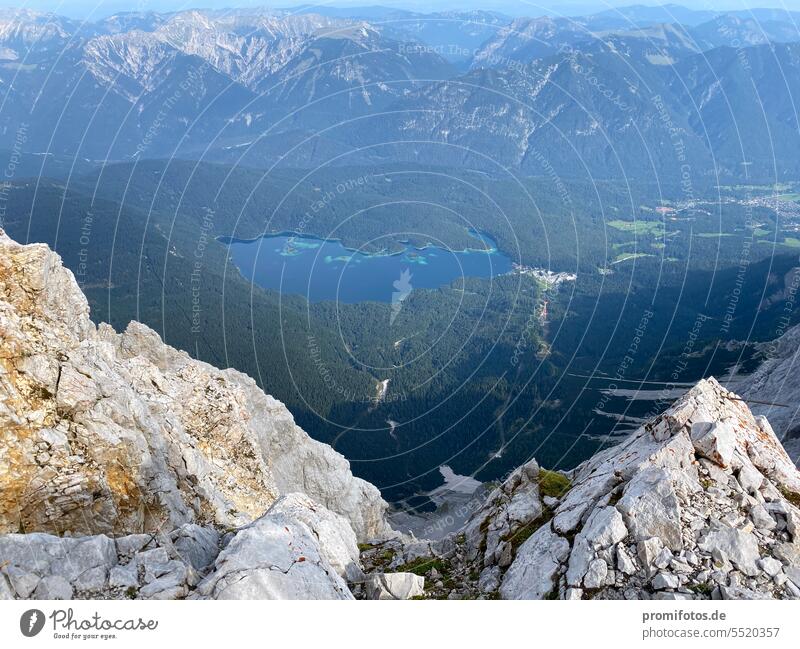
(251, 86)
(130, 470)
(776, 381)
(701, 502)
(119, 433)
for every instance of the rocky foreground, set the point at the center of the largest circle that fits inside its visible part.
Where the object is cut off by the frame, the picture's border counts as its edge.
(701, 502)
(129, 470)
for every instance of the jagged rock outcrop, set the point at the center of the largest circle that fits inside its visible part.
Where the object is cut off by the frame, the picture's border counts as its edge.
(297, 550)
(107, 433)
(777, 381)
(700, 502)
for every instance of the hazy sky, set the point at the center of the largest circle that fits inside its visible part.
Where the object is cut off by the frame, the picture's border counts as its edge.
(99, 8)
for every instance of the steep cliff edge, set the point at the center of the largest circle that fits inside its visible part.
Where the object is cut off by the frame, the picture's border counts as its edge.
(777, 381)
(700, 502)
(107, 433)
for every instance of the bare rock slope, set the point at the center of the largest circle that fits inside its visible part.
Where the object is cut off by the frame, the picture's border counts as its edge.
(701, 502)
(107, 433)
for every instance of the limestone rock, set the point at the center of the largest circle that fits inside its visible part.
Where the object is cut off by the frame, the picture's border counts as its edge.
(394, 585)
(651, 508)
(777, 381)
(665, 580)
(715, 441)
(596, 574)
(119, 433)
(275, 557)
(196, 545)
(53, 587)
(691, 501)
(740, 547)
(538, 560)
(336, 538)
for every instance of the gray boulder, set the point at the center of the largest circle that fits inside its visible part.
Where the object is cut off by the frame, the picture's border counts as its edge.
(275, 557)
(538, 560)
(715, 441)
(738, 546)
(650, 508)
(394, 585)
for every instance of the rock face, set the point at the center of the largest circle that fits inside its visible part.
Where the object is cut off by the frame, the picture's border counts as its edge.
(107, 433)
(700, 502)
(777, 380)
(394, 585)
(297, 550)
(693, 504)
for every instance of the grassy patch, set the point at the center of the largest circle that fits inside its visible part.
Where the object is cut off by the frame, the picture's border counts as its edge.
(712, 235)
(363, 547)
(653, 228)
(521, 535)
(702, 589)
(553, 484)
(627, 256)
(619, 246)
(424, 565)
(792, 496)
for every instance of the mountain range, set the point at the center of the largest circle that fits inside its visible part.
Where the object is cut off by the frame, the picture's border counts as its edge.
(622, 95)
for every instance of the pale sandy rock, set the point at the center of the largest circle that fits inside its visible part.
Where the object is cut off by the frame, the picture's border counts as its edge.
(750, 479)
(665, 580)
(715, 441)
(275, 557)
(6, 591)
(395, 585)
(770, 566)
(625, 562)
(53, 587)
(337, 540)
(119, 433)
(662, 495)
(196, 545)
(532, 575)
(738, 546)
(777, 381)
(284, 554)
(650, 508)
(604, 528)
(22, 582)
(123, 577)
(596, 574)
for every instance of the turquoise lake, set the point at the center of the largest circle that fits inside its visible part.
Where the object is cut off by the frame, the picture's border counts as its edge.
(323, 269)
